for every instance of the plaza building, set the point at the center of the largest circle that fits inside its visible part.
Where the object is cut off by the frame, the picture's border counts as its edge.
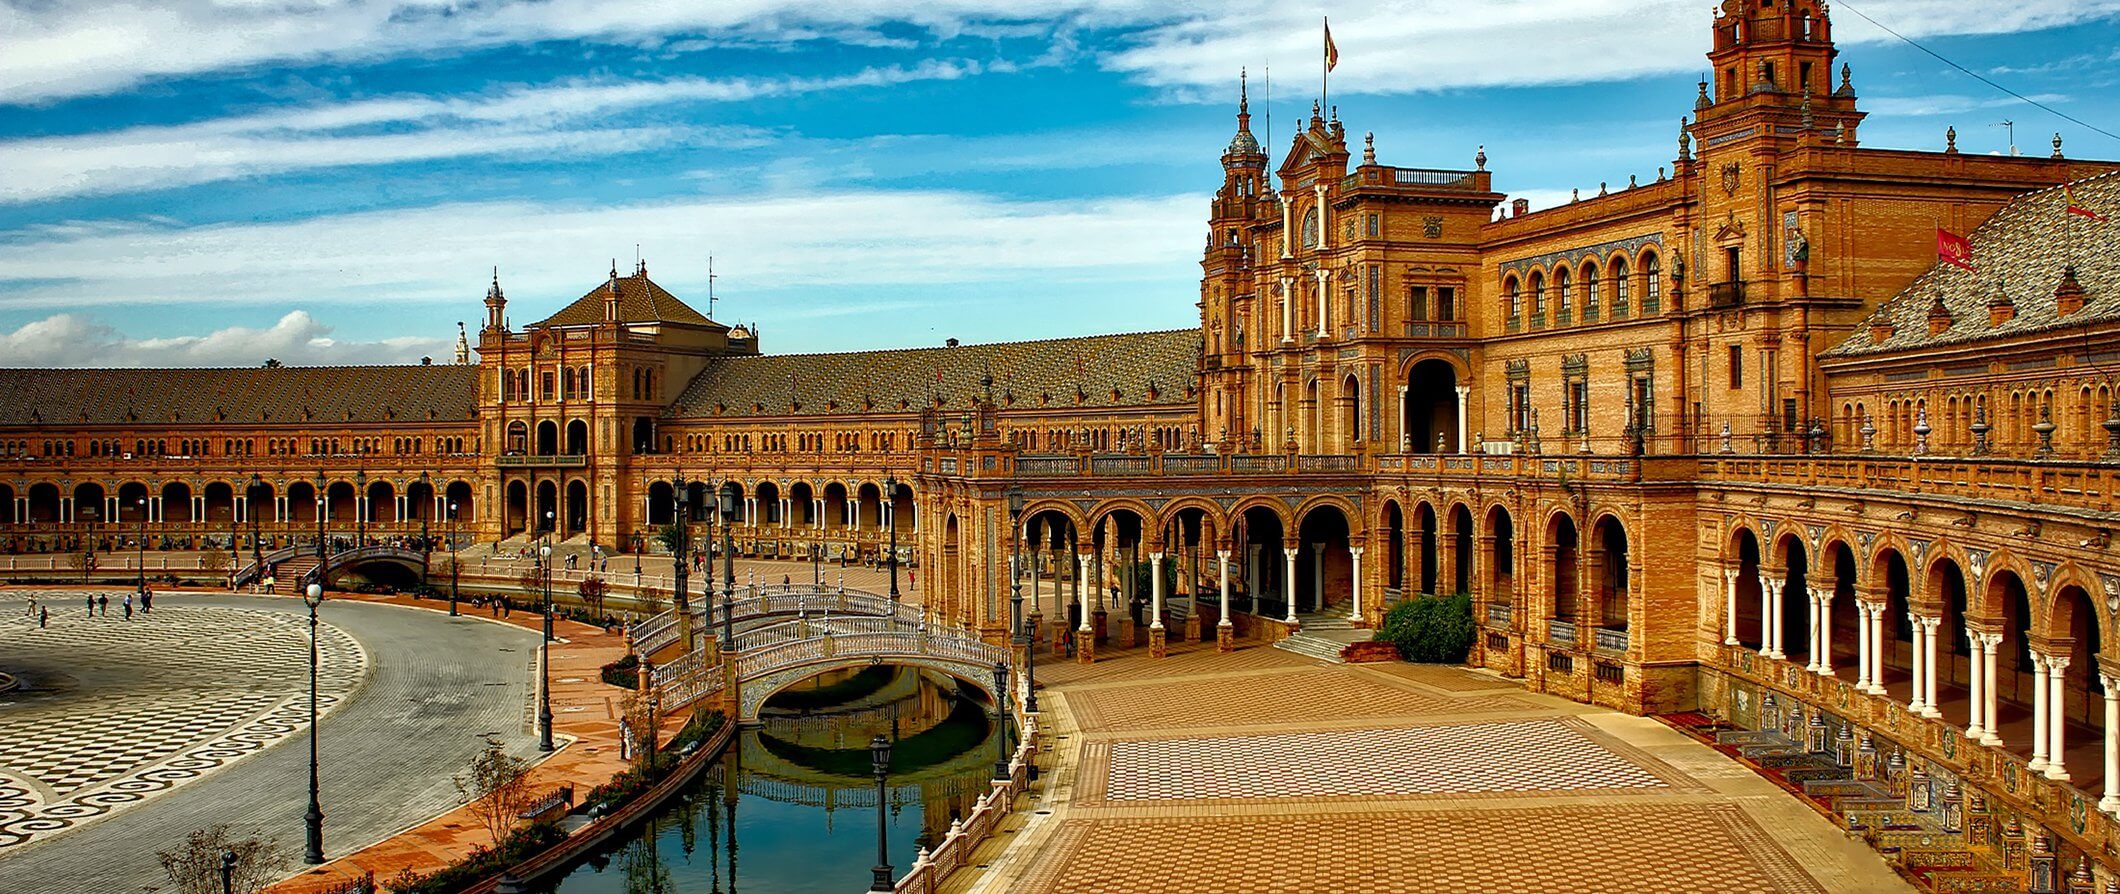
(1723, 441)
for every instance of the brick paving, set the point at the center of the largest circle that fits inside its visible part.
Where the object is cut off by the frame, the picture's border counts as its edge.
(1262, 771)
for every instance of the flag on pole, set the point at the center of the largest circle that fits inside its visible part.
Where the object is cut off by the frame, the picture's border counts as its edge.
(2078, 208)
(1954, 249)
(1332, 53)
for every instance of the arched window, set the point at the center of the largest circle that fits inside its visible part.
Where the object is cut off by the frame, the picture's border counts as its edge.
(1563, 285)
(1592, 296)
(1652, 284)
(1510, 296)
(1538, 294)
(1619, 286)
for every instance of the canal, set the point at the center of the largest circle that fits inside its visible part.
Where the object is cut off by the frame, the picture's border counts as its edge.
(790, 807)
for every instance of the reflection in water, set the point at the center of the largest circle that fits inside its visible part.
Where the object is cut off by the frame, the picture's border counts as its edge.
(808, 799)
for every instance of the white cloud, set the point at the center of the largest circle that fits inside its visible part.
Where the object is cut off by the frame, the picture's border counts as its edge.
(566, 118)
(297, 339)
(73, 47)
(1948, 104)
(549, 253)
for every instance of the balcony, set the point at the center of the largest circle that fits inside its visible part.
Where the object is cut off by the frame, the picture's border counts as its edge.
(1560, 633)
(1725, 295)
(1500, 613)
(525, 461)
(1607, 639)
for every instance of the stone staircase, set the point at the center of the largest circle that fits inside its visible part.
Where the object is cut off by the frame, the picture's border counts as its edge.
(1918, 842)
(1322, 637)
(287, 576)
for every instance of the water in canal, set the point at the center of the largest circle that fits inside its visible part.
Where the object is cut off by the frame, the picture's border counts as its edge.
(790, 807)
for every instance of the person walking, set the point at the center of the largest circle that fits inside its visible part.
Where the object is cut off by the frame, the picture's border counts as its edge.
(44, 617)
(147, 600)
(128, 606)
(103, 602)
(91, 605)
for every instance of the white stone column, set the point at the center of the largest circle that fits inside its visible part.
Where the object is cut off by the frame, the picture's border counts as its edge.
(1082, 561)
(1877, 649)
(1222, 566)
(1288, 228)
(1990, 735)
(1927, 680)
(1317, 577)
(787, 517)
(66, 511)
(1464, 396)
(2056, 718)
(1035, 574)
(1822, 602)
(2111, 802)
(2040, 713)
(1356, 587)
(1810, 596)
(1288, 308)
(1288, 582)
(1863, 647)
(1916, 692)
(1324, 217)
(1770, 617)
(1730, 607)
(1155, 591)
(1324, 301)
(1976, 729)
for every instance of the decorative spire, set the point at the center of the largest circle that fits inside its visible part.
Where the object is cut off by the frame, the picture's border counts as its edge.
(1702, 101)
(1243, 96)
(1807, 121)
(1950, 140)
(463, 345)
(1479, 160)
(1847, 84)
(493, 293)
(1369, 148)
(2057, 145)
(1685, 138)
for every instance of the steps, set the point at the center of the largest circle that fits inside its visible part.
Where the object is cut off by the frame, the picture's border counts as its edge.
(1322, 637)
(287, 576)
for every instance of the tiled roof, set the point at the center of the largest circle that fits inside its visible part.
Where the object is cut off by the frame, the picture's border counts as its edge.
(640, 300)
(273, 395)
(1053, 369)
(2021, 251)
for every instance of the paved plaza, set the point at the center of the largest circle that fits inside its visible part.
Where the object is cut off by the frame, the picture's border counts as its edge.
(133, 733)
(1265, 771)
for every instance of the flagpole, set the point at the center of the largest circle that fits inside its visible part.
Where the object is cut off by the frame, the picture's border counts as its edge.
(1325, 70)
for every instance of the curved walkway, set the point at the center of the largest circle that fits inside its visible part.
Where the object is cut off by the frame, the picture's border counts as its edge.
(435, 688)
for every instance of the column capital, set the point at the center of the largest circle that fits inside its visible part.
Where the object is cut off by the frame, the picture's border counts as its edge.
(2054, 663)
(1990, 640)
(1730, 575)
(2111, 684)
(1354, 550)
(1156, 555)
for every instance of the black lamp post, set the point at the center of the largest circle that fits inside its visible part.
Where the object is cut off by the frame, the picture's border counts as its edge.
(544, 660)
(360, 508)
(680, 556)
(142, 551)
(1001, 719)
(425, 550)
(880, 757)
(250, 506)
(1022, 622)
(323, 506)
(454, 569)
(890, 498)
(314, 852)
(228, 872)
(728, 545)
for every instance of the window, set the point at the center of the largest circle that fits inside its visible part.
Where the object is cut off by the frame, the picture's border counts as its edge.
(1591, 294)
(1510, 297)
(1652, 286)
(1579, 406)
(1520, 407)
(1446, 304)
(1563, 285)
(1374, 225)
(1737, 367)
(1538, 294)
(1619, 286)
(1417, 304)
(545, 384)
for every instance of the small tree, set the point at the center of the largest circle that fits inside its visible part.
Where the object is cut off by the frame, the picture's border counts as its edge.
(214, 560)
(532, 580)
(84, 561)
(591, 592)
(195, 867)
(670, 537)
(651, 601)
(1434, 629)
(498, 787)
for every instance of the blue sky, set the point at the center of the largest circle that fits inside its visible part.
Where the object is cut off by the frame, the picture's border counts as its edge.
(196, 183)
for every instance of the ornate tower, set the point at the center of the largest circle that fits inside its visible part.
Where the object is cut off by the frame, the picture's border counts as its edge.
(1227, 305)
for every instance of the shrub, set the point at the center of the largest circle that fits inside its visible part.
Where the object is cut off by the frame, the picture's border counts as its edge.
(623, 673)
(1432, 629)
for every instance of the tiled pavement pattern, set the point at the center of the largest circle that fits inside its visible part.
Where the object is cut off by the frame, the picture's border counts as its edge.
(1207, 772)
(1586, 850)
(1469, 758)
(1302, 693)
(122, 711)
(434, 688)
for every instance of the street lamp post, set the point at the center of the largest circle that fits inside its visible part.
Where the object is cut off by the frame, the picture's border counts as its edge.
(142, 550)
(1001, 720)
(544, 661)
(314, 852)
(880, 758)
(1022, 623)
(322, 506)
(454, 569)
(250, 506)
(360, 507)
(890, 499)
(425, 549)
(680, 555)
(728, 546)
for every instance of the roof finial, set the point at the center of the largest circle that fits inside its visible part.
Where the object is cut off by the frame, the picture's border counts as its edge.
(614, 268)
(1479, 160)
(1243, 91)
(1369, 148)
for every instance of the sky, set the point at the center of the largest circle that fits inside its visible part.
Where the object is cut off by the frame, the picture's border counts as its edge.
(196, 183)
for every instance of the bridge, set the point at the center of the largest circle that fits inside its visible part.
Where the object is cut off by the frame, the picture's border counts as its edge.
(295, 567)
(830, 630)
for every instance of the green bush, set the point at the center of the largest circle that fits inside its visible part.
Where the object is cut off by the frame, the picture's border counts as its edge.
(1431, 629)
(623, 673)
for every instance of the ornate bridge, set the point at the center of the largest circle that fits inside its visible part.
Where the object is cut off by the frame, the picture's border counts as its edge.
(772, 657)
(298, 566)
(652, 635)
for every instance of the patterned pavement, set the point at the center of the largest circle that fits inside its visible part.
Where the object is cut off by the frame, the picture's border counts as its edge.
(1249, 772)
(117, 712)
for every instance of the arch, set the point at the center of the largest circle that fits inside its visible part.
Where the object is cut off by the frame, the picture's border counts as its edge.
(220, 503)
(89, 503)
(302, 502)
(1261, 534)
(835, 506)
(518, 438)
(1842, 618)
(1324, 556)
(44, 503)
(382, 501)
(1428, 550)
(1562, 544)
(2014, 675)
(547, 438)
(802, 503)
(768, 496)
(1652, 284)
(1794, 599)
(176, 502)
(952, 583)
(517, 513)
(577, 509)
(868, 506)
(545, 515)
(577, 438)
(662, 503)
(2075, 630)
(1393, 524)
(419, 500)
(1501, 555)
(1749, 624)
(1350, 419)
(458, 493)
(1430, 415)
(1512, 298)
(1461, 536)
(1610, 572)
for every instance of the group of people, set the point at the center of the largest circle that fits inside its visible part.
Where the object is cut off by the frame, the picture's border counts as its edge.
(98, 604)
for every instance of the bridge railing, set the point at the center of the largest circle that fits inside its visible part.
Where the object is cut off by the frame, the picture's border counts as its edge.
(931, 868)
(687, 679)
(250, 570)
(650, 635)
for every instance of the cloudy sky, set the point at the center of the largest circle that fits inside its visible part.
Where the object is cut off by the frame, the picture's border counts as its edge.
(185, 182)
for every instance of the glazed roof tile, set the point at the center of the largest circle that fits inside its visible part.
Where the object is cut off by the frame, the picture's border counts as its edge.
(1099, 365)
(322, 394)
(640, 300)
(2021, 251)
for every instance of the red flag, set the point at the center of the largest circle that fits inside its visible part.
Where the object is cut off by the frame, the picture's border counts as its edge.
(1332, 53)
(2077, 208)
(1954, 249)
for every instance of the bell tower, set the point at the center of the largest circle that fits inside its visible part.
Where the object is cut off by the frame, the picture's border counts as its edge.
(1226, 300)
(1773, 63)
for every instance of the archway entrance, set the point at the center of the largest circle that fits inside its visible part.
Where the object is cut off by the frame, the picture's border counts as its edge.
(1324, 565)
(1432, 408)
